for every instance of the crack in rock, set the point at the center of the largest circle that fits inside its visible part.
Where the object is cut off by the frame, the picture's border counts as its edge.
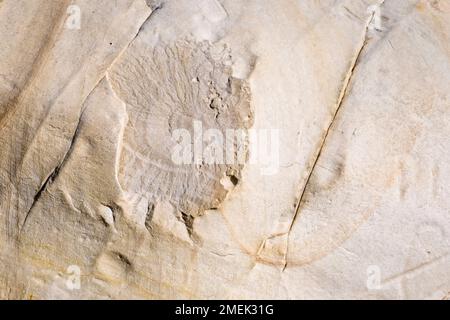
(339, 104)
(54, 174)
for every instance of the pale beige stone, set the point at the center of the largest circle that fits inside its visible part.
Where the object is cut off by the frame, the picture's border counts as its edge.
(357, 207)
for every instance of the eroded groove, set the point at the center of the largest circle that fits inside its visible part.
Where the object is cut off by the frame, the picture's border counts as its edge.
(54, 174)
(157, 8)
(37, 64)
(57, 169)
(149, 217)
(341, 98)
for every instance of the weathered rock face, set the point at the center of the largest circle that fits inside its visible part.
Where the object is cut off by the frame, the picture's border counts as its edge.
(224, 149)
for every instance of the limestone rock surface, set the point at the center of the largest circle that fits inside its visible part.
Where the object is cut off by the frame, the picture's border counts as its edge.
(227, 149)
